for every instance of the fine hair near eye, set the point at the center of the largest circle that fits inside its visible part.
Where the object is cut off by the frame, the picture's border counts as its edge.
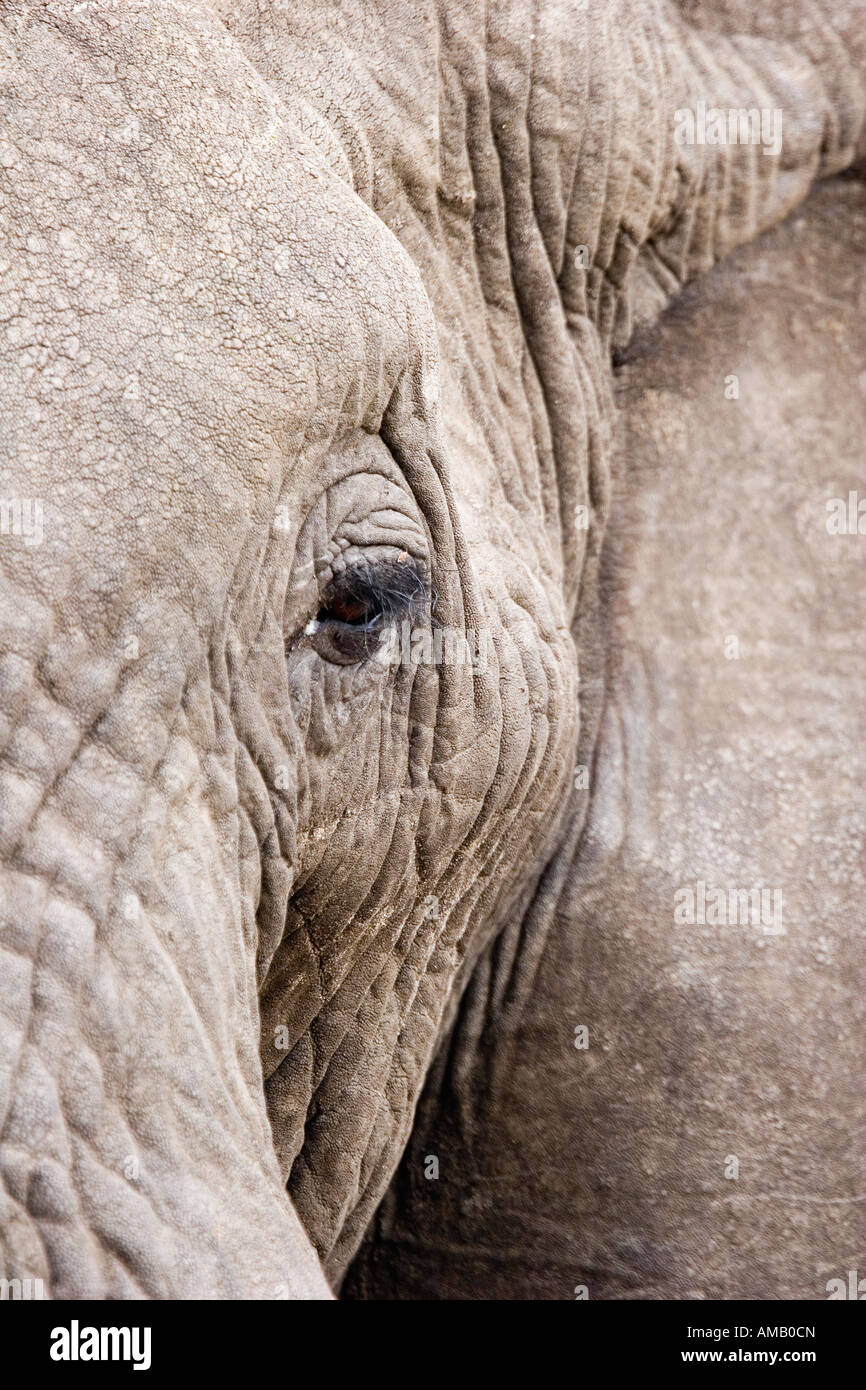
(388, 589)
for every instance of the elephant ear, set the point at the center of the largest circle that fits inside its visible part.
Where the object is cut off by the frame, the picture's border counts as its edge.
(685, 202)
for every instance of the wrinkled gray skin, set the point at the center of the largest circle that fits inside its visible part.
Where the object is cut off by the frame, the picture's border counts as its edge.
(286, 290)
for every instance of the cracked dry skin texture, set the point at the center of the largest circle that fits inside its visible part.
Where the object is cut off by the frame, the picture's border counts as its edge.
(288, 291)
(607, 1167)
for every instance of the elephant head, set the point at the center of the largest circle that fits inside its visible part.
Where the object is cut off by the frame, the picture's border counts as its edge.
(308, 317)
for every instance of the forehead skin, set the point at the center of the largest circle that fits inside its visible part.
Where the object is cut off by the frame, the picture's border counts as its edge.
(188, 283)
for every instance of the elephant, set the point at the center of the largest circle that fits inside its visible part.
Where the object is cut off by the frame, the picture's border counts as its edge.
(420, 623)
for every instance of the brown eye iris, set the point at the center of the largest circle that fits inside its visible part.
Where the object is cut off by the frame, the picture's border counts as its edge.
(348, 610)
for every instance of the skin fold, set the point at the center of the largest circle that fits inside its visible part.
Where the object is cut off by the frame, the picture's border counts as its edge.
(311, 312)
(608, 1169)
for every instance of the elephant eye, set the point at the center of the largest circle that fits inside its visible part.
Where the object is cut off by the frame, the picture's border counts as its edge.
(361, 602)
(347, 608)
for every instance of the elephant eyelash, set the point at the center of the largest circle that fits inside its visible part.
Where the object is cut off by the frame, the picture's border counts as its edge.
(361, 602)
(369, 596)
